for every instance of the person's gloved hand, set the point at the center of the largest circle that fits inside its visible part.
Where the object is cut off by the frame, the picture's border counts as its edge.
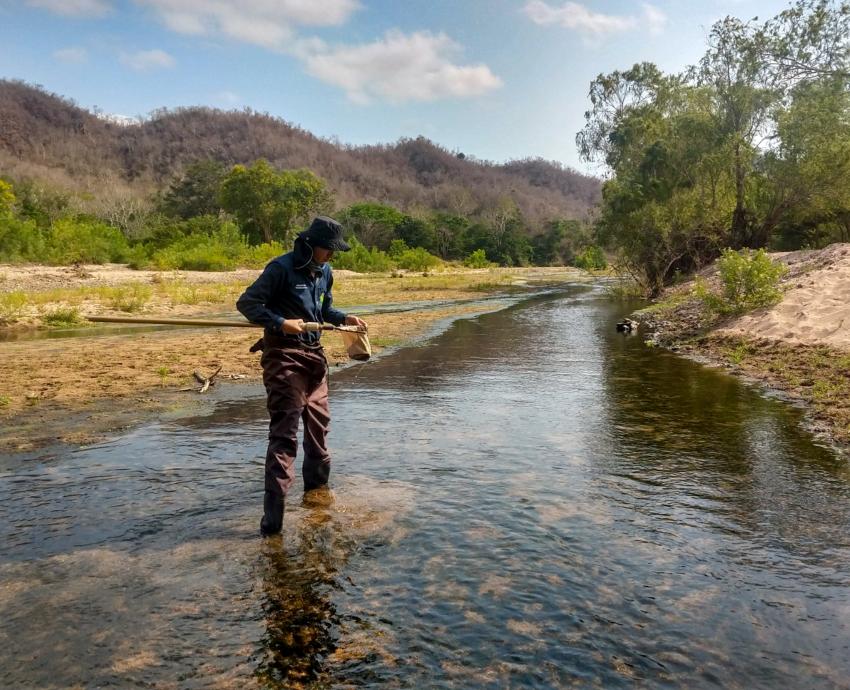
(292, 326)
(352, 320)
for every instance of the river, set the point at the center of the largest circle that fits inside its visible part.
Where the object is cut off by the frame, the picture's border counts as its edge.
(527, 500)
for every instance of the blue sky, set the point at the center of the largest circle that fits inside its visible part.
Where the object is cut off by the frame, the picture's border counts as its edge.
(496, 79)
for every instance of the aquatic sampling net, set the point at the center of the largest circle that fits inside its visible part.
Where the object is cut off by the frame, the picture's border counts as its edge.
(357, 344)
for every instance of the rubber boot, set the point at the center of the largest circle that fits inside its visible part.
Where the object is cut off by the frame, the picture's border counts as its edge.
(272, 521)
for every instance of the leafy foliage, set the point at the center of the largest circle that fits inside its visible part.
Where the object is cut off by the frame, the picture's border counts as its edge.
(82, 240)
(373, 224)
(62, 317)
(20, 240)
(750, 147)
(196, 191)
(591, 259)
(7, 198)
(363, 260)
(477, 259)
(750, 280)
(417, 259)
(268, 202)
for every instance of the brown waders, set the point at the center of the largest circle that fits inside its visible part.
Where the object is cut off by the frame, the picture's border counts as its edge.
(296, 380)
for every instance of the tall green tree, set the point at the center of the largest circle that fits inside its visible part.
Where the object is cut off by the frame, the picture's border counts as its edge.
(373, 224)
(744, 91)
(728, 152)
(809, 195)
(268, 202)
(558, 243)
(417, 232)
(449, 234)
(196, 191)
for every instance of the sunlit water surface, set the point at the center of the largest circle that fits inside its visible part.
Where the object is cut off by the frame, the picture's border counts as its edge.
(529, 500)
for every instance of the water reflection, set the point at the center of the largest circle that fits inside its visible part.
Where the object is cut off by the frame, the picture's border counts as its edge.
(301, 620)
(696, 438)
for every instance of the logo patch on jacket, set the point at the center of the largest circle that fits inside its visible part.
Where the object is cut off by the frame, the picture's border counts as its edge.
(301, 286)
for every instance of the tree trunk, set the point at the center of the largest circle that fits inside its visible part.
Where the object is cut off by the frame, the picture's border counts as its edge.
(267, 233)
(739, 236)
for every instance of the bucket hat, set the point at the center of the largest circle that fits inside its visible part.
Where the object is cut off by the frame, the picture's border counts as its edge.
(327, 233)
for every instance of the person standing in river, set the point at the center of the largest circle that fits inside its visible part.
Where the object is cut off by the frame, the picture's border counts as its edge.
(294, 288)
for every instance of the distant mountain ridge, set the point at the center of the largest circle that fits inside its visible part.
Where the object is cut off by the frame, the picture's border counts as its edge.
(44, 136)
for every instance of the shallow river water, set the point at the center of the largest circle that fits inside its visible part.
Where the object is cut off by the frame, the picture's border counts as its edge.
(529, 500)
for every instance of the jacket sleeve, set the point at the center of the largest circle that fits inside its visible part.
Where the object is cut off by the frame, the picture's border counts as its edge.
(252, 303)
(329, 314)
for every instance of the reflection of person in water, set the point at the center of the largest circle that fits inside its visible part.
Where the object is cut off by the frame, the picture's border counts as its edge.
(295, 288)
(301, 621)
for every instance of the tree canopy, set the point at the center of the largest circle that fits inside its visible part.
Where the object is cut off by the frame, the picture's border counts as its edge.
(267, 202)
(747, 148)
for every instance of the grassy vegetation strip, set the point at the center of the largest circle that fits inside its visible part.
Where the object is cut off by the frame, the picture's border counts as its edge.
(63, 307)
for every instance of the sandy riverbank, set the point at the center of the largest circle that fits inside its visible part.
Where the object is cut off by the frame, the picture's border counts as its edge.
(77, 389)
(800, 347)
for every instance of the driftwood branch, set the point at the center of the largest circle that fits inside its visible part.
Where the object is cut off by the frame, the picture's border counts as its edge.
(205, 381)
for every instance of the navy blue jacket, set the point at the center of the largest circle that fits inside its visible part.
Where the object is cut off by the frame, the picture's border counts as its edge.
(287, 289)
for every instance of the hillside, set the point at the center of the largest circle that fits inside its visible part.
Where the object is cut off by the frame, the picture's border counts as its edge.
(46, 137)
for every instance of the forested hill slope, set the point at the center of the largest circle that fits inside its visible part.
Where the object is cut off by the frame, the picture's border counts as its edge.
(44, 136)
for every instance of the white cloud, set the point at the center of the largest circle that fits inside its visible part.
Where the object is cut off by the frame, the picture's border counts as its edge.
(401, 67)
(228, 97)
(71, 55)
(74, 8)
(655, 19)
(398, 67)
(146, 60)
(575, 16)
(267, 23)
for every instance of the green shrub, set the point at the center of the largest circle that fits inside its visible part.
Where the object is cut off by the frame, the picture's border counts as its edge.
(477, 259)
(11, 306)
(62, 318)
(591, 258)
(259, 256)
(749, 280)
(129, 298)
(7, 198)
(138, 257)
(710, 299)
(20, 240)
(162, 231)
(87, 241)
(201, 257)
(417, 259)
(397, 248)
(363, 260)
(222, 250)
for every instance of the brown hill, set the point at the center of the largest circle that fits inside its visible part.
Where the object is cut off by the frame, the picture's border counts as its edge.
(49, 138)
